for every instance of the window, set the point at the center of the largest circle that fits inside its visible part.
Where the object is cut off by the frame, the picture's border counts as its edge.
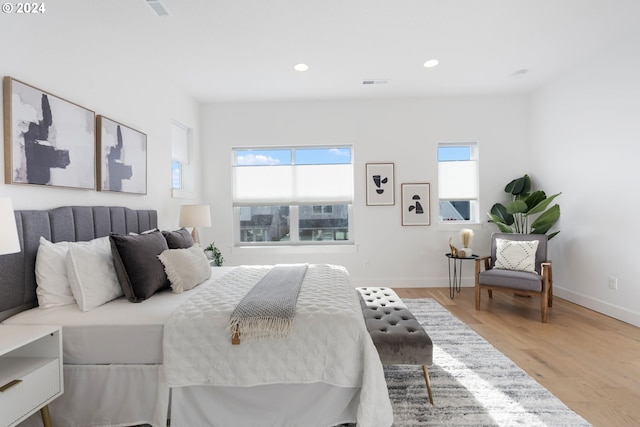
(176, 175)
(458, 181)
(179, 153)
(292, 195)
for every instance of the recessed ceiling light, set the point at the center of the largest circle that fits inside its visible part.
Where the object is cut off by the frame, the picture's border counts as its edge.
(431, 63)
(301, 67)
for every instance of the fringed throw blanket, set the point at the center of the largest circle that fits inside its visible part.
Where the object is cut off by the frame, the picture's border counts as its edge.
(268, 309)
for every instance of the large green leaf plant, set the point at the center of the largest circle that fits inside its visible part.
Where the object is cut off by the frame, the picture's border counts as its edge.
(527, 212)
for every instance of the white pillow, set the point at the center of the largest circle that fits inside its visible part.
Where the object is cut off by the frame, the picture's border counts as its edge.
(53, 288)
(516, 255)
(185, 268)
(91, 273)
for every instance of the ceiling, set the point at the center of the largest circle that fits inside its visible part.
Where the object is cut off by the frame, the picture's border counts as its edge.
(245, 50)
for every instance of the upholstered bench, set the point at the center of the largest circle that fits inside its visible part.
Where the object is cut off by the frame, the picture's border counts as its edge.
(397, 335)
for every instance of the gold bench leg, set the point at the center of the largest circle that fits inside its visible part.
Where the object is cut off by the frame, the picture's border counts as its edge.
(428, 381)
(46, 417)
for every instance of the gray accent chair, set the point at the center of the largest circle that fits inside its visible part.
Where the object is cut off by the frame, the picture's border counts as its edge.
(517, 282)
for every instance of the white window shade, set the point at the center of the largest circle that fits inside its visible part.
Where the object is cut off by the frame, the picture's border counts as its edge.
(457, 180)
(180, 143)
(292, 185)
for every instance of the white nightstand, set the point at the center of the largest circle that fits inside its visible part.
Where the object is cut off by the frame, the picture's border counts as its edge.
(30, 371)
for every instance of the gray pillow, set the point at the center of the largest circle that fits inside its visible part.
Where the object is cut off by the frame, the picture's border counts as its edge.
(178, 239)
(139, 271)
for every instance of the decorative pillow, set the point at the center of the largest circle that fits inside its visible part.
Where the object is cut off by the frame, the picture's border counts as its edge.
(186, 268)
(91, 273)
(144, 232)
(138, 268)
(516, 255)
(178, 239)
(53, 288)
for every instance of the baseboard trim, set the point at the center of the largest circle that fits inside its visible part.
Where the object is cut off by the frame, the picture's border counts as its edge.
(606, 308)
(431, 282)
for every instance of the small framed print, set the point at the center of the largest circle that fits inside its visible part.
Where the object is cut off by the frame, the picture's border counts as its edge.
(48, 140)
(380, 184)
(122, 158)
(415, 204)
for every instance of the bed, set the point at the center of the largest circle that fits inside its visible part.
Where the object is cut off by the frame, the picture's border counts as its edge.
(121, 370)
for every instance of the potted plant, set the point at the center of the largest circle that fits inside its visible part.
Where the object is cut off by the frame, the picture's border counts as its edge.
(527, 212)
(214, 254)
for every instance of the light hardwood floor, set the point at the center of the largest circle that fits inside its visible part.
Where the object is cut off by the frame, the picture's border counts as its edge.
(589, 361)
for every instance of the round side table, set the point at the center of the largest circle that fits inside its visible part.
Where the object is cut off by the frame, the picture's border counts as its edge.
(455, 272)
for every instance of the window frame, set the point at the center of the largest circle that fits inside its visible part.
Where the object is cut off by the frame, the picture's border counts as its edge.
(474, 203)
(180, 154)
(294, 207)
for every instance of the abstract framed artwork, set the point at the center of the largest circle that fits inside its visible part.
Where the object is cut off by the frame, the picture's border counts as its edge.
(380, 184)
(415, 204)
(47, 140)
(121, 158)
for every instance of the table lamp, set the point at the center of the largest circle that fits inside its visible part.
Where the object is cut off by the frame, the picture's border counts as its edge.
(195, 216)
(9, 241)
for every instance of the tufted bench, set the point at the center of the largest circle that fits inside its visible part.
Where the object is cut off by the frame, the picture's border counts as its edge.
(397, 335)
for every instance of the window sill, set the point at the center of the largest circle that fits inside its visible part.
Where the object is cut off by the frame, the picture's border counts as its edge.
(293, 249)
(454, 226)
(182, 194)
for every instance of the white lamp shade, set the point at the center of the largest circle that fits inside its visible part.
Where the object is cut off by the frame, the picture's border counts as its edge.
(9, 241)
(195, 216)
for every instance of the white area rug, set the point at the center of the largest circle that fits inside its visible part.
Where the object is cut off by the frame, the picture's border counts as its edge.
(473, 383)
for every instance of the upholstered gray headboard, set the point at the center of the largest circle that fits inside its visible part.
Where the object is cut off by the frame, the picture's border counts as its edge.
(68, 223)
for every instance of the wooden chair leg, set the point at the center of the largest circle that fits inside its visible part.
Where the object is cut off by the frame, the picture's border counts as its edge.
(544, 305)
(428, 381)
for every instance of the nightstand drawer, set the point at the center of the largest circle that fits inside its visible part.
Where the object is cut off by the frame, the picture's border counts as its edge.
(27, 383)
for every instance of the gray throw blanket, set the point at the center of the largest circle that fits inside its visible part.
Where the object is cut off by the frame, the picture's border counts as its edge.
(268, 309)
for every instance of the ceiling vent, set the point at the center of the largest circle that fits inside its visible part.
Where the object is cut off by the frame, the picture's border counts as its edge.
(158, 8)
(375, 82)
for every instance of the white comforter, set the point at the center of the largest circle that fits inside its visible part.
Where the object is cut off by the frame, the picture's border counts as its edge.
(329, 342)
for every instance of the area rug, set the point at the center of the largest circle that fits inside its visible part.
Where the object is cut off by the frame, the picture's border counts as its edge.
(473, 383)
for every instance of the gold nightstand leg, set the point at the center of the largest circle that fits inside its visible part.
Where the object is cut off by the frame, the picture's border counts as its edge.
(46, 417)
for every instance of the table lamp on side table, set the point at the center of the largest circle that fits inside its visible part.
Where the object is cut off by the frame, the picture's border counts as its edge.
(195, 216)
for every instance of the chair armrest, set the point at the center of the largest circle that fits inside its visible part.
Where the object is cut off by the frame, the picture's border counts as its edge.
(479, 261)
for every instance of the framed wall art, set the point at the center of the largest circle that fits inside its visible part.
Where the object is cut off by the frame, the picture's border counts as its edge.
(380, 184)
(415, 204)
(121, 158)
(47, 140)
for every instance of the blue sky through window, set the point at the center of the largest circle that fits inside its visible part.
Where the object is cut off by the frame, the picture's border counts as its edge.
(323, 156)
(453, 153)
(303, 156)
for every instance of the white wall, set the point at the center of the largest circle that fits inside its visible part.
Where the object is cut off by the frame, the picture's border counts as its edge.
(402, 131)
(77, 67)
(586, 134)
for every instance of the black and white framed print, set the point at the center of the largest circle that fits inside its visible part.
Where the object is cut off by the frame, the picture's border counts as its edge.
(122, 158)
(48, 140)
(380, 184)
(415, 204)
